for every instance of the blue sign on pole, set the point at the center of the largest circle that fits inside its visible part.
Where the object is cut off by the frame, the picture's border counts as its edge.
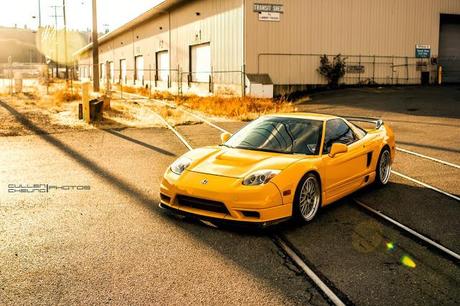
(422, 51)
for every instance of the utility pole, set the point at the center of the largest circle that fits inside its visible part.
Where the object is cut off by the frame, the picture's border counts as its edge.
(39, 15)
(65, 42)
(56, 39)
(95, 50)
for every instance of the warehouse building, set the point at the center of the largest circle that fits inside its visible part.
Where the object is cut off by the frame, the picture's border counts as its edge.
(271, 47)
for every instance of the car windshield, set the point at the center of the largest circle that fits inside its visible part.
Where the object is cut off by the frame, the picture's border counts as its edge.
(281, 135)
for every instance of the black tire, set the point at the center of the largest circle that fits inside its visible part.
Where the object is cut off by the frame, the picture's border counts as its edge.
(308, 209)
(383, 172)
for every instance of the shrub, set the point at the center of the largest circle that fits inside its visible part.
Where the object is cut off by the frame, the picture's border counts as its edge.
(334, 71)
(65, 96)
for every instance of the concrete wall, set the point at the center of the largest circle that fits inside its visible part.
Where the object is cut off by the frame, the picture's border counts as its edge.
(351, 27)
(218, 22)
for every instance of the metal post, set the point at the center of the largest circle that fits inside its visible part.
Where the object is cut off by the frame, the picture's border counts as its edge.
(178, 79)
(407, 70)
(65, 41)
(150, 81)
(56, 41)
(39, 15)
(373, 70)
(359, 74)
(392, 69)
(95, 49)
(210, 80)
(243, 80)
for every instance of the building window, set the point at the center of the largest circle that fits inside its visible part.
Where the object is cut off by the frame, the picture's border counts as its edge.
(122, 71)
(162, 65)
(200, 66)
(139, 68)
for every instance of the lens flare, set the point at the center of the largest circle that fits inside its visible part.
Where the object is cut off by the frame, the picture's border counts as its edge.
(53, 43)
(390, 246)
(408, 262)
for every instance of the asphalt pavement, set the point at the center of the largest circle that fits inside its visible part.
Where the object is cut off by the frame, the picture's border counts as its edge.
(113, 245)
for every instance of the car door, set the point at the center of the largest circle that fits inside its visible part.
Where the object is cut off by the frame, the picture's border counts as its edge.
(344, 172)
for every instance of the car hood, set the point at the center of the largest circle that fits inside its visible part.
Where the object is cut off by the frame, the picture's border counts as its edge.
(237, 163)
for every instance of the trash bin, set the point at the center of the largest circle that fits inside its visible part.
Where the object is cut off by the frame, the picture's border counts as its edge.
(95, 109)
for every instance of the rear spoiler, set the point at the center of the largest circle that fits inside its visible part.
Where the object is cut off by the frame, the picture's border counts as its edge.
(378, 122)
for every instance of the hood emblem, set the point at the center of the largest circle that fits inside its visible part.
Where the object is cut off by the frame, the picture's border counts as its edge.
(204, 182)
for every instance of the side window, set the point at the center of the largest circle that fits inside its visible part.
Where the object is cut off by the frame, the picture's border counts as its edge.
(337, 131)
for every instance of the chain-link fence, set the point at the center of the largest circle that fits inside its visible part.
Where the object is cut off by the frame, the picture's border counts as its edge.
(174, 80)
(284, 69)
(21, 77)
(295, 69)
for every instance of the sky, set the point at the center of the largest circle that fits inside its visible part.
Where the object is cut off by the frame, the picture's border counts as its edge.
(111, 13)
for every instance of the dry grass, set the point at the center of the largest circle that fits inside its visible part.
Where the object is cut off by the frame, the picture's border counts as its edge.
(242, 108)
(60, 97)
(63, 95)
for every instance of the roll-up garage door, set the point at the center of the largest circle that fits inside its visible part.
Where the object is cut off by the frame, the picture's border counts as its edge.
(201, 62)
(112, 71)
(139, 65)
(123, 71)
(162, 65)
(449, 48)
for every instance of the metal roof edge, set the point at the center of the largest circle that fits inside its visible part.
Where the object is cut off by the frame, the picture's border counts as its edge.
(157, 9)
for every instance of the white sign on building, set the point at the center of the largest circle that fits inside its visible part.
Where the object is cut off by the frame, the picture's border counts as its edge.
(269, 16)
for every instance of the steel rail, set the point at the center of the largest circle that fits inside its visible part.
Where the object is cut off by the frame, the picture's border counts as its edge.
(294, 257)
(411, 231)
(225, 131)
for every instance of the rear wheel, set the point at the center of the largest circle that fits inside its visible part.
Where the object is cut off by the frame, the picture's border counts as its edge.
(307, 198)
(383, 170)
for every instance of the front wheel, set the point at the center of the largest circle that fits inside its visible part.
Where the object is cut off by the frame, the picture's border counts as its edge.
(383, 170)
(307, 198)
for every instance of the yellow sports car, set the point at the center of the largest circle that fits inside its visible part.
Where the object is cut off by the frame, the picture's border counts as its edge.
(279, 166)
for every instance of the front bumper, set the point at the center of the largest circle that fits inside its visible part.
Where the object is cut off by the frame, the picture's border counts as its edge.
(254, 204)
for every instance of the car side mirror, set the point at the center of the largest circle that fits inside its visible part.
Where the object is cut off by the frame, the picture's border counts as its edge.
(224, 137)
(337, 148)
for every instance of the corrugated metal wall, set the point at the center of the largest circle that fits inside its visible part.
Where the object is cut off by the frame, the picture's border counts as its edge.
(218, 22)
(388, 30)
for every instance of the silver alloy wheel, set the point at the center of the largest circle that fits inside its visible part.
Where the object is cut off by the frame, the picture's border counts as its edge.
(309, 198)
(385, 167)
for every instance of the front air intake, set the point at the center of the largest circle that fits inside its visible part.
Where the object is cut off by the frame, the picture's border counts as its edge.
(202, 204)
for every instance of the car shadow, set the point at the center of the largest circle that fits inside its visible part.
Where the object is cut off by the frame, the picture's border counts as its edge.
(138, 142)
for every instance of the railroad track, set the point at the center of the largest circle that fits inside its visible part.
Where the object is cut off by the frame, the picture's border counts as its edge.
(332, 293)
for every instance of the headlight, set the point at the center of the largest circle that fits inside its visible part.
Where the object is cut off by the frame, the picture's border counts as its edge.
(180, 165)
(260, 177)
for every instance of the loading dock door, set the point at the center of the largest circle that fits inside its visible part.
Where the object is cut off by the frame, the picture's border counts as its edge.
(139, 67)
(162, 65)
(123, 71)
(102, 71)
(112, 71)
(449, 48)
(201, 62)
